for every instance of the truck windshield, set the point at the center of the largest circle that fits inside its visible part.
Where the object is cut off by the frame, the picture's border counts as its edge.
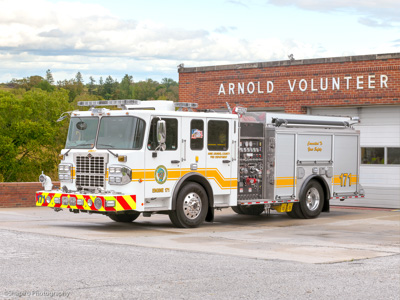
(124, 132)
(82, 133)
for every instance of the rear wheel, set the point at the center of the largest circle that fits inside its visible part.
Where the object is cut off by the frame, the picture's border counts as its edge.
(312, 200)
(125, 217)
(191, 206)
(296, 212)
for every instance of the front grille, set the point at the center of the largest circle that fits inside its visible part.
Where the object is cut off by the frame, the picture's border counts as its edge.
(90, 170)
(90, 180)
(91, 165)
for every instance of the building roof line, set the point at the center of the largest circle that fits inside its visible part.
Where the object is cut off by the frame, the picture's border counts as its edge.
(287, 63)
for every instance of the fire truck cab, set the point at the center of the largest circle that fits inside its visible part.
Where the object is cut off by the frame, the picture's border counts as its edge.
(149, 157)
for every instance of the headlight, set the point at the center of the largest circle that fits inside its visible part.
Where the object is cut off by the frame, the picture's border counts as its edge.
(65, 172)
(119, 175)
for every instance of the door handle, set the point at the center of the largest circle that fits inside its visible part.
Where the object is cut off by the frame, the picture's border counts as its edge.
(226, 161)
(175, 161)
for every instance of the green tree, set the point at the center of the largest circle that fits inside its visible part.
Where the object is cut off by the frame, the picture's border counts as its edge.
(30, 139)
(79, 78)
(91, 85)
(74, 88)
(49, 77)
(126, 87)
(145, 90)
(168, 90)
(110, 88)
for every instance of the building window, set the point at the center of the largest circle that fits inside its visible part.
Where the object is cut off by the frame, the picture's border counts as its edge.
(372, 155)
(196, 135)
(393, 156)
(380, 155)
(171, 138)
(218, 135)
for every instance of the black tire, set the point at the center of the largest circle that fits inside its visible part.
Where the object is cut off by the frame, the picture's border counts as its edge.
(312, 200)
(191, 206)
(296, 212)
(125, 217)
(237, 209)
(252, 210)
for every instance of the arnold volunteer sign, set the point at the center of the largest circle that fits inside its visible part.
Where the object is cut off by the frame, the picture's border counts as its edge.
(359, 82)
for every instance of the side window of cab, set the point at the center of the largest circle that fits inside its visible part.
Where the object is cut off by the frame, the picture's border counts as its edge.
(172, 134)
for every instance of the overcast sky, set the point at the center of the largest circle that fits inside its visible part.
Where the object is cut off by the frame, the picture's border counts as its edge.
(150, 38)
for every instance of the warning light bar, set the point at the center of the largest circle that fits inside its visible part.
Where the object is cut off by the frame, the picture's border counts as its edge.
(109, 103)
(188, 105)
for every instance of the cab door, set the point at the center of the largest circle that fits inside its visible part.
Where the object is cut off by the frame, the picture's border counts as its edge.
(162, 167)
(221, 145)
(194, 148)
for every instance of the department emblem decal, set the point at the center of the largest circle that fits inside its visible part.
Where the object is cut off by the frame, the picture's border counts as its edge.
(161, 174)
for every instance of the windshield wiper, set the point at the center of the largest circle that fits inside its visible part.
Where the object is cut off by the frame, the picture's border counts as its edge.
(77, 146)
(111, 146)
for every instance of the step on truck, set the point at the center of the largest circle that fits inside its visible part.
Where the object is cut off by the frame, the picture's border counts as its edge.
(161, 157)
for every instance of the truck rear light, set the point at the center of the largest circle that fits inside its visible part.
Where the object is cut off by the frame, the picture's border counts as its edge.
(57, 200)
(79, 202)
(72, 201)
(48, 199)
(64, 200)
(90, 202)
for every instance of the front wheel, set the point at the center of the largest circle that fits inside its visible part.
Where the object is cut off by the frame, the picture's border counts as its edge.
(125, 217)
(312, 200)
(191, 206)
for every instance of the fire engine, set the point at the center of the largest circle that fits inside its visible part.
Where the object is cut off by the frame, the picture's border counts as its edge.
(161, 157)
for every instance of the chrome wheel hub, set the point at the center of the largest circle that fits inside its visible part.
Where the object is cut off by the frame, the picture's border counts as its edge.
(312, 199)
(192, 206)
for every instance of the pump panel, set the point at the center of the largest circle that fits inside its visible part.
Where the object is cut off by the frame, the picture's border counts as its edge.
(251, 162)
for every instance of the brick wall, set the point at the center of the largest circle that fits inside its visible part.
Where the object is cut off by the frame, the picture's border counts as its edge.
(295, 85)
(19, 194)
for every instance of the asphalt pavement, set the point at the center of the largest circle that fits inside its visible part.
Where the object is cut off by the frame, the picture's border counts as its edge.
(346, 254)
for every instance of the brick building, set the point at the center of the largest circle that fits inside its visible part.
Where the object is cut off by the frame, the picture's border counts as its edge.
(367, 86)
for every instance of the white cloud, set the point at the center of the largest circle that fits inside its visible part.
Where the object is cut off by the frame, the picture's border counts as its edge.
(67, 37)
(71, 36)
(373, 12)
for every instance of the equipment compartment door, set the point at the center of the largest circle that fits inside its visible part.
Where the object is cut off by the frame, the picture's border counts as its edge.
(345, 164)
(285, 179)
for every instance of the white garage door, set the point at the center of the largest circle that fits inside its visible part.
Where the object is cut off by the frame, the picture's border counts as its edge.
(380, 146)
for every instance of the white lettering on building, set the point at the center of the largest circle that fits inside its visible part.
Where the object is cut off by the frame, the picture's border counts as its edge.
(221, 89)
(314, 84)
(384, 80)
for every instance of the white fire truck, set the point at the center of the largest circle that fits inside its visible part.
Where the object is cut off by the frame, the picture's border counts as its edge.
(162, 157)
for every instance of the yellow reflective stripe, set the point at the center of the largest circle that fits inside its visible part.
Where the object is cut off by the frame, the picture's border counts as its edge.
(283, 182)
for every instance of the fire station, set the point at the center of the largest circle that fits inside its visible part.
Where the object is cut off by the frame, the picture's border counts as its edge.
(366, 86)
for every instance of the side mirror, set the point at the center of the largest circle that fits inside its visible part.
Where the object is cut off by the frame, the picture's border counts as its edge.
(161, 134)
